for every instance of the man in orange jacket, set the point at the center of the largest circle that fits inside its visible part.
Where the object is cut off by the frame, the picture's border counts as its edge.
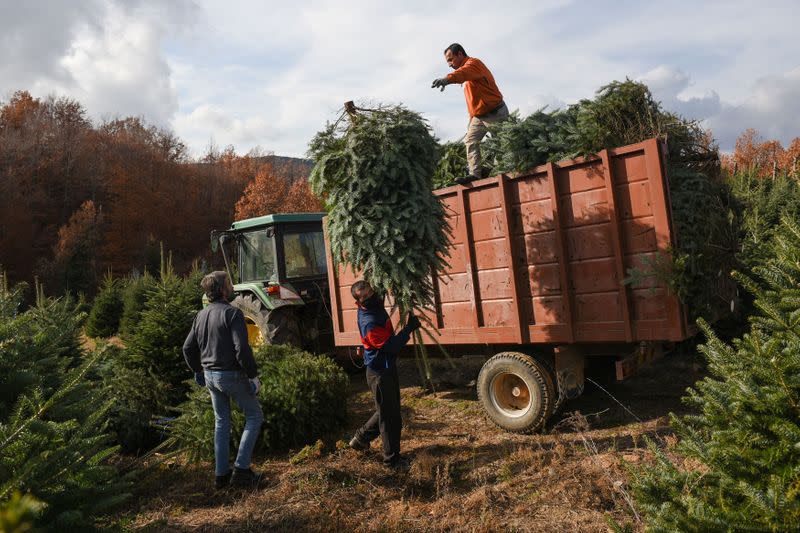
(484, 102)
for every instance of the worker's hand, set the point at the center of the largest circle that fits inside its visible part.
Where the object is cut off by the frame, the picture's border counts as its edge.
(413, 323)
(200, 379)
(255, 386)
(440, 82)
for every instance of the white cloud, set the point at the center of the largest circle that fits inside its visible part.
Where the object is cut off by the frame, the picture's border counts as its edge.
(107, 55)
(669, 85)
(772, 108)
(218, 125)
(248, 72)
(771, 105)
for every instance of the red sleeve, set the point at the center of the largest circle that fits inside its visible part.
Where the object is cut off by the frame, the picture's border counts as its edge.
(378, 335)
(471, 70)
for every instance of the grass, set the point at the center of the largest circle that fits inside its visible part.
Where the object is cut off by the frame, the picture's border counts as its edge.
(465, 475)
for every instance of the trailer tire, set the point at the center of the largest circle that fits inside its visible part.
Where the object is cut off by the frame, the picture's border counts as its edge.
(276, 326)
(517, 392)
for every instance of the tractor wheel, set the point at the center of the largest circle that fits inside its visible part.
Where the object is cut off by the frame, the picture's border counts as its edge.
(277, 326)
(517, 392)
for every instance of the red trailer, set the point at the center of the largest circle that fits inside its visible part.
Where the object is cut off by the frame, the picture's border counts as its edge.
(537, 264)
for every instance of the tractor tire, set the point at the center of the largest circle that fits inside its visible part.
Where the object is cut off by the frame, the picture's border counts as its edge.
(264, 326)
(517, 392)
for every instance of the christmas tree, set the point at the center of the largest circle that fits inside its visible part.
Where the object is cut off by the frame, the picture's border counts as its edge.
(375, 173)
(106, 311)
(134, 297)
(303, 396)
(53, 442)
(148, 377)
(740, 465)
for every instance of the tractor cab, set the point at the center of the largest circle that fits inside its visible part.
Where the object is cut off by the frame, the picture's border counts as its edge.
(280, 274)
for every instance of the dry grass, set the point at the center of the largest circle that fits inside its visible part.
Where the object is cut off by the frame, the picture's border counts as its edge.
(465, 475)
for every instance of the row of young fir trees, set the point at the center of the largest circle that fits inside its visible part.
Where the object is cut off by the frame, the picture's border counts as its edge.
(67, 411)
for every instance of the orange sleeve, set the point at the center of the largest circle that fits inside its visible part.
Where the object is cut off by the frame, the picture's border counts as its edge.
(469, 71)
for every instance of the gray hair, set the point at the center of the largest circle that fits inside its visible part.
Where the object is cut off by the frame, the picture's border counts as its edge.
(214, 284)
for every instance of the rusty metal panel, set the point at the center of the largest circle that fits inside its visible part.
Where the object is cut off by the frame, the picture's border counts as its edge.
(564, 311)
(469, 264)
(540, 256)
(616, 239)
(333, 284)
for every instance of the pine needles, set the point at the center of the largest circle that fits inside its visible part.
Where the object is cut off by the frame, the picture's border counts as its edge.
(742, 441)
(375, 174)
(624, 113)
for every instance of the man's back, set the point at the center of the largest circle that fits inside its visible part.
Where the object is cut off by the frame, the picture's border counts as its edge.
(218, 340)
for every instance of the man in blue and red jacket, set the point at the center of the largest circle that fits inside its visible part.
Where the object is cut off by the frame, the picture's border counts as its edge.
(381, 347)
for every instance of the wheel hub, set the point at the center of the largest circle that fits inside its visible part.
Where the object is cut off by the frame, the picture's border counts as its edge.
(510, 394)
(254, 336)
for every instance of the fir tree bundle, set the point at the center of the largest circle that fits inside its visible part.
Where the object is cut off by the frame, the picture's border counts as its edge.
(452, 164)
(625, 113)
(375, 175)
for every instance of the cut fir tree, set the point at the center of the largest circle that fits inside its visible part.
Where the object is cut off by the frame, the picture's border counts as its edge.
(375, 173)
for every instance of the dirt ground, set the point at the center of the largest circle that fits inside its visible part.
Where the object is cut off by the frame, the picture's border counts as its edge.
(465, 475)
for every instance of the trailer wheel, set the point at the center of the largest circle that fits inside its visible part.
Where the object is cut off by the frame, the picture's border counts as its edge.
(276, 326)
(516, 391)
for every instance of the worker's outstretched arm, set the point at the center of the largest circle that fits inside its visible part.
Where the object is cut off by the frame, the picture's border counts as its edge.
(471, 70)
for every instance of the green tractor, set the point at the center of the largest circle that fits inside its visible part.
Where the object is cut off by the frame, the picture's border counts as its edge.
(280, 274)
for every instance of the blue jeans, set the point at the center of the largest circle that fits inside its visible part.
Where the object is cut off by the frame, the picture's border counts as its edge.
(224, 385)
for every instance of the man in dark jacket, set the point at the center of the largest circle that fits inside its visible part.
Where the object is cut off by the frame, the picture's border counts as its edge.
(381, 347)
(218, 352)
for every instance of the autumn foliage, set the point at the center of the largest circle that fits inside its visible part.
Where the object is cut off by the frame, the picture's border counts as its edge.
(277, 188)
(78, 198)
(764, 158)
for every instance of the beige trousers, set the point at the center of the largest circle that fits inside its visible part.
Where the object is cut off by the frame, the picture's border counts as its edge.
(478, 126)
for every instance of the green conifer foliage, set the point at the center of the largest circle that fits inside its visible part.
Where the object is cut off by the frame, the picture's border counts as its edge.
(134, 297)
(148, 377)
(18, 514)
(452, 164)
(519, 144)
(742, 471)
(106, 311)
(53, 441)
(303, 397)
(763, 203)
(624, 113)
(375, 174)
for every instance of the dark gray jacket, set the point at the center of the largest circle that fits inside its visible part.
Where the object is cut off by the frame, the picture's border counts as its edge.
(218, 341)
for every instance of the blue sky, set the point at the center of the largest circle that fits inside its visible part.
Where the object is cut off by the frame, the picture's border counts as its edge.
(270, 74)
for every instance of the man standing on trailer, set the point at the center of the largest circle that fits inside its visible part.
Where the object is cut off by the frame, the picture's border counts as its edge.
(484, 102)
(381, 347)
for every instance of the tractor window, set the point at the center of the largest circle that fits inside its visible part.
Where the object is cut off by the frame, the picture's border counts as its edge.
(305, 254)
(257, 256)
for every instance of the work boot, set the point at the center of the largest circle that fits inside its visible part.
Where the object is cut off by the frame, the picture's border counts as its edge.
(401, 464)
(357, 444)
(463, 180)
(245, 478)
(220, 482)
